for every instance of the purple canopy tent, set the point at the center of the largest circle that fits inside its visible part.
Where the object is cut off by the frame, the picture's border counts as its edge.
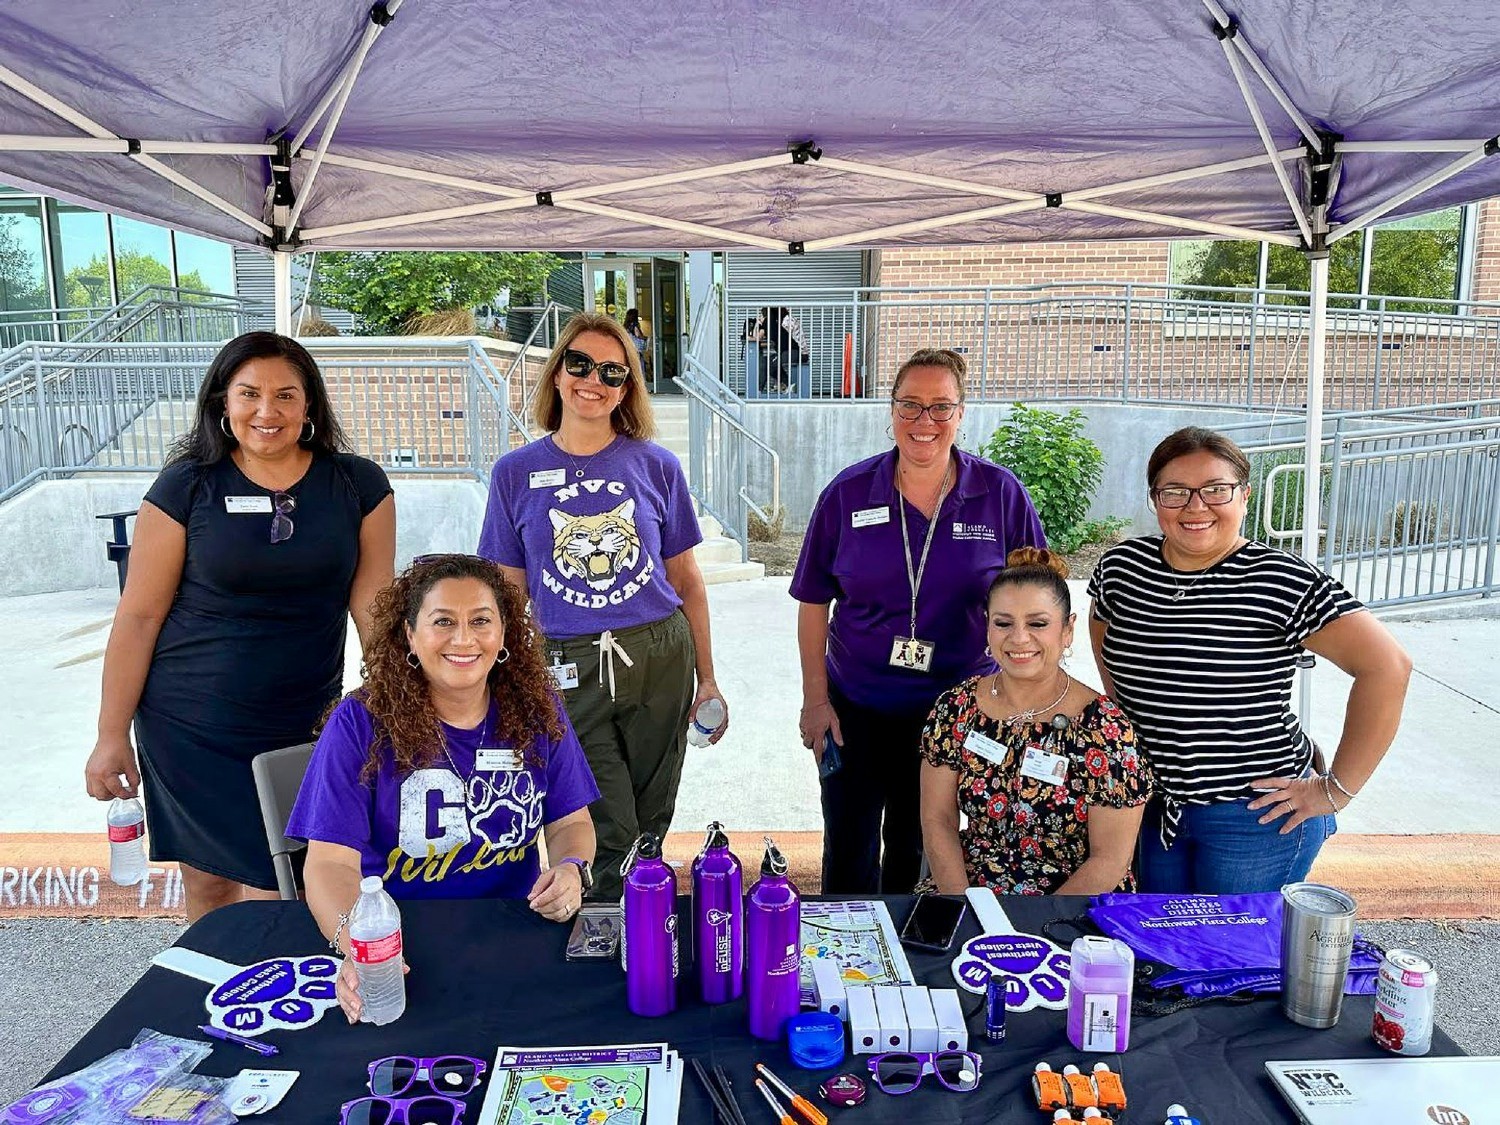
(767, 124)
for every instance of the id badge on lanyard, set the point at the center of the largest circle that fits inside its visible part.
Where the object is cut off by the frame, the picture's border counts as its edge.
(566, 675)
(910, 652)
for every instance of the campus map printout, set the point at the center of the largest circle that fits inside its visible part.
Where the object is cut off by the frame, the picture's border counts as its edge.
(860, 936)
(637, 1084)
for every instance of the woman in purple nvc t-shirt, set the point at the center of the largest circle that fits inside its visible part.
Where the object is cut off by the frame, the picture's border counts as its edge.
(917, 532)
(442, 770)
(596, 522)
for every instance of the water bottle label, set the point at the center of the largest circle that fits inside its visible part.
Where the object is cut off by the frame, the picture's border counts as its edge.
(374, 952)
(124, 833)
(1101, 1022)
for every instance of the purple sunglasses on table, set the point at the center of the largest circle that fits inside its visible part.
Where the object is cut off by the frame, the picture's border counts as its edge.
(430, 1109)
(901, 1072)
(443, 1074)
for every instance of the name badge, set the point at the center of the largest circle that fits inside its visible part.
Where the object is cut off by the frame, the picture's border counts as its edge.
(866, 517)
(497, 759)
(912, 654)
(566, 675)
(1049, 769)
(240, 505)
(986, 747)
(548, 478)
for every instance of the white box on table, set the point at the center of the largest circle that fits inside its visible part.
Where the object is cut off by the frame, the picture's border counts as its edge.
(953, 1032)
(864, 1022)
(892, 1015)
(921, 1020)
(828, 987)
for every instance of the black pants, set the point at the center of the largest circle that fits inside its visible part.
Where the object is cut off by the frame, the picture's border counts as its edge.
(874, 798)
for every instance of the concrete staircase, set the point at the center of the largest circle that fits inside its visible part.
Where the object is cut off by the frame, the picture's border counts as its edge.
(718, 555)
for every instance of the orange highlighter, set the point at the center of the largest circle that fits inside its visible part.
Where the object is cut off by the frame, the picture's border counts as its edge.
(781, 1115)
(814, 1115)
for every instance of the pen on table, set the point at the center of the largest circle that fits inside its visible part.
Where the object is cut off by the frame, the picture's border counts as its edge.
(782, 1115)
(813, 1114)
(244, 1041)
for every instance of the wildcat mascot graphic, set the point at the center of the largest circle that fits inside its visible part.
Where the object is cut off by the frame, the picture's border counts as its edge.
(597, 549)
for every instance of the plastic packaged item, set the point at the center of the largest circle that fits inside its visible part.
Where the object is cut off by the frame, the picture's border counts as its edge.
(1108, 1088)
(815, 1040)
(1176, 1115)
(1048, 1087)
(718, 917)
(127, 841)
(375, 945)
(107, 1088)
(773, 936)
(648, 940)
(1100, 983)
(1081, 1092)
(708, 718)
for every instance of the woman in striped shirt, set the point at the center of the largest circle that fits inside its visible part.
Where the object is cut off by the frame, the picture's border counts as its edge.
(1197, 632)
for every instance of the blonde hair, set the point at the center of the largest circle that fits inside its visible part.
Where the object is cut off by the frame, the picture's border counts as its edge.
(946, 358)
(633, 417)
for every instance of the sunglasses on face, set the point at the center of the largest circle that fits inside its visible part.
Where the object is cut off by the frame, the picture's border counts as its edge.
(578, 365)
(443, 1074)
(901, 1072)
(283, 505)
(1180, 496)
(430, 1110)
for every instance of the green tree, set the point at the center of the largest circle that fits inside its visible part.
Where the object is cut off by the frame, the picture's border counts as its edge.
(88, 284)
(19, 276)
(385, 290)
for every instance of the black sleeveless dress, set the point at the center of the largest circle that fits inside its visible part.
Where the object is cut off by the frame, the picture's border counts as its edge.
(251, 652)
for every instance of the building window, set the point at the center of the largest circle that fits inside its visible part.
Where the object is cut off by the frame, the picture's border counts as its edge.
(23, 255)
(143, 256)
(80, 249)
(204, 264)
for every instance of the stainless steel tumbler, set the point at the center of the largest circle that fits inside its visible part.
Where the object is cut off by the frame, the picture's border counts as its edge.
(1317, 936)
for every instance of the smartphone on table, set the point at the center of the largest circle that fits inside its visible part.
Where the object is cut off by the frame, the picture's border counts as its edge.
(933, 923)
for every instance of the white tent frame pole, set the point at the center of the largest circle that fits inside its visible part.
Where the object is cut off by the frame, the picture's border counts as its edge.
(1222, 18)
(88, 125)
(1266, 140)
(281, 276)
(514, 203)
(1179, 177)
(699, 229)
(15, 142)
(1446, 172)
(1460, 144)
(1312, 456)
(921, 179)
(898, 230)
(372, 32)
(345, 79)
(1225, 229)
(667, 178)
(402, 173)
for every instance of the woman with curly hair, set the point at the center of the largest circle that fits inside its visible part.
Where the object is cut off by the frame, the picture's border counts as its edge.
(441, 769)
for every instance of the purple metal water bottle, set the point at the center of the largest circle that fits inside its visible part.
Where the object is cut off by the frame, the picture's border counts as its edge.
(773, 936)
(648, 939)
(718, 919)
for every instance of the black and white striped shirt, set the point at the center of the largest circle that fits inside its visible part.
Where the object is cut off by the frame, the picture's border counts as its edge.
(1202, 662)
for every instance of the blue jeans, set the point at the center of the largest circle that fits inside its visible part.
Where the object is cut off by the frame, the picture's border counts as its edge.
(1223, 849)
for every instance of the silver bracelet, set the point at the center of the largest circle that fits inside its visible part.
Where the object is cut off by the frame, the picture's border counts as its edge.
(333, 942)
(1337, 784)
(1327, 792)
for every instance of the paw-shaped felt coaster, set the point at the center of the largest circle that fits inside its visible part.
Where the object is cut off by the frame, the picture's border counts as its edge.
(278, 994)
(1037, 968)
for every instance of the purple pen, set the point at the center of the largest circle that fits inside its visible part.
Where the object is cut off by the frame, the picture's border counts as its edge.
(244, 1041)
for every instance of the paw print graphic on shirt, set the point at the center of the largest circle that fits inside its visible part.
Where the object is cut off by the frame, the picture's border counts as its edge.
(507, 807)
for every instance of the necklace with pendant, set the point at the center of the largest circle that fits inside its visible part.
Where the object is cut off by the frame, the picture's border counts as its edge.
(579, 470)
(1182, 591)
(468, 778)
(1030, 715)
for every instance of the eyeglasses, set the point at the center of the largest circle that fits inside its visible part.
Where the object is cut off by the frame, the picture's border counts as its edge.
(1180, 496)
(284, 504)
(909, 410)
(430, 1110)
(578, 365)
(443, 1074)
(901, 1072)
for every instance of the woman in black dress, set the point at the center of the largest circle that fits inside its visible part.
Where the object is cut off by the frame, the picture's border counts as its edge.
(252, 548)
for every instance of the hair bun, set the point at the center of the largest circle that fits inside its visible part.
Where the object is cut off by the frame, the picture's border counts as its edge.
(1038, 556)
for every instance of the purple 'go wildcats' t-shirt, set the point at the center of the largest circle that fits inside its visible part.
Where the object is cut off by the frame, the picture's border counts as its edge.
(429, 834)
(593, 545)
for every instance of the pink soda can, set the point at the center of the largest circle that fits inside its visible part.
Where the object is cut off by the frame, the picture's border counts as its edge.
(1405, 1002)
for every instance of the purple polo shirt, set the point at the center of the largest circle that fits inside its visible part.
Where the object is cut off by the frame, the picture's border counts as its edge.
(852, 556)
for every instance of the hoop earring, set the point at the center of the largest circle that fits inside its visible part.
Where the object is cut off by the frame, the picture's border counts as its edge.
(413, 660)
(311, 430)
(1067, 655)
(224, 425)
(988, 653)
(504, 655)
(890, 432)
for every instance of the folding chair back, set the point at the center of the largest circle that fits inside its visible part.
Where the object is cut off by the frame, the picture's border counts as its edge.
(278, 776)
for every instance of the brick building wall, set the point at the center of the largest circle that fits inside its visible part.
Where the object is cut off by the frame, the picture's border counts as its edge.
(1025, 264)
(1486, 286)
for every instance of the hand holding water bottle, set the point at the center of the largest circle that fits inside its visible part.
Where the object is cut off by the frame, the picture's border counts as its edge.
(709, 717)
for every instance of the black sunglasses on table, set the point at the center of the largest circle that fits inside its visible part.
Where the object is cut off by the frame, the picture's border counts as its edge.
(579, 364)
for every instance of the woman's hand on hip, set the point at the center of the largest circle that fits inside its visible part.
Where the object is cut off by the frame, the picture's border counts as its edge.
(815, 722)
(707, 690)
(113, 758)
(558, 892)
(1296, 798)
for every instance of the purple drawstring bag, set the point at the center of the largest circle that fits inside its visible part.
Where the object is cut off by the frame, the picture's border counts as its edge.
(1215, 945)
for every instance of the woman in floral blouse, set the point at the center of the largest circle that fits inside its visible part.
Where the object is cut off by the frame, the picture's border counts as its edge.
(1053, 807)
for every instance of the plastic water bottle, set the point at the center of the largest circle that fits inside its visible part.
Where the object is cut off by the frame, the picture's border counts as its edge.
(718, 919)
(708, 718)
(127, 841)
(375, 945)
(648, 939)
(773, 944)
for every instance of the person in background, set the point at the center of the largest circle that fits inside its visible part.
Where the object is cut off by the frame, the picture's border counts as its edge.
(1197, 632)
(780, 349)
(445, 768)
(596, 522)
(256, 543)
(898, 556)
(638, 337)
(1048, 811)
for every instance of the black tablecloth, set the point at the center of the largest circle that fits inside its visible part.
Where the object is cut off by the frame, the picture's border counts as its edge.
(490, 972)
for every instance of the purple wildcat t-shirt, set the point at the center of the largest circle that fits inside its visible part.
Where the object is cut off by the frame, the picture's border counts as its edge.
(591, 532)
(436, 833)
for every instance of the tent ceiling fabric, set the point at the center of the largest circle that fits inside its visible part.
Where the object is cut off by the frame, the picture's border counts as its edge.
(1026, 97)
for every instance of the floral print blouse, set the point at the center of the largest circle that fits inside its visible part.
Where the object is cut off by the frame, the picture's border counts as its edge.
(1026, 836)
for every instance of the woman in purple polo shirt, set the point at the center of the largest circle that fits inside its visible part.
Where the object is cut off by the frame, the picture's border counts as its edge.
(902, 548)
(597, 523)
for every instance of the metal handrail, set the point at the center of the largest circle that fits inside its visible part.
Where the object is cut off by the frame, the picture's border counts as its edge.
(693, 388)
(498, 386)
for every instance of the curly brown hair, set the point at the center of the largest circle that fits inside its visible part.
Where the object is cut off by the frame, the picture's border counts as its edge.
(407, 729)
